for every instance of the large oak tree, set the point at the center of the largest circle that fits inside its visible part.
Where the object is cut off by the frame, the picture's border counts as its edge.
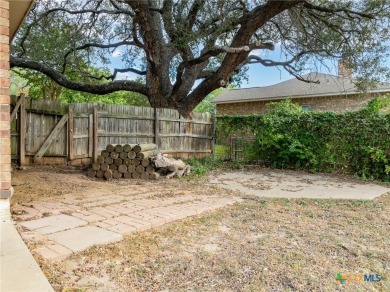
(185, 49)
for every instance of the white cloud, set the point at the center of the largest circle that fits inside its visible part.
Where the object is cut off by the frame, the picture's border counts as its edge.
(255, 53)
(116, 53)
(123, 76)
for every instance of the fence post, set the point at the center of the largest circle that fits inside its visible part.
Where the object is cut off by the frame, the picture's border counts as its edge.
(90, 136)
(156, 127)
(22, 133)
(95, 133)
(231, 148)
(213, 134)
(70, 132)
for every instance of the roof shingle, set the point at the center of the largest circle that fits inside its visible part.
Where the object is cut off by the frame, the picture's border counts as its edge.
(294, 88)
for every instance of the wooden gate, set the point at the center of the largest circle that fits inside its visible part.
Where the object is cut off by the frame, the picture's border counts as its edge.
(38, 128)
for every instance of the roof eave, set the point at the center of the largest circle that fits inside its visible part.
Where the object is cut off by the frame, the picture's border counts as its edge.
(18, 11)
(298, 96)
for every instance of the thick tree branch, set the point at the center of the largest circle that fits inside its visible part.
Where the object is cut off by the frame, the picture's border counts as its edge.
(193, 13)
(287, 65)
(94, 45)
(348, 12)
(64, 81)
(212, 53)
(238, 50)
(248, 27)
(115, 73)
(93, 11)
(205, 74)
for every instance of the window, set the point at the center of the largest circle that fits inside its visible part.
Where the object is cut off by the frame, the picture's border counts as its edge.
(306, 107)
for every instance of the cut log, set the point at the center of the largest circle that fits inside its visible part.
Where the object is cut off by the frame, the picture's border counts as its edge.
(123, 155)
(161, 161)
(91, 173)
(150, 169)
(118, 161)
(95, 166)
(172, 168)
(146, 154)
(171, 175)
(179, 163)
(114, 155)
(127, 175)
(131, 155)
(145, 162)
(144, 176)
(116, 174)
(136, 161)
(110, 148)
(144, 147)
(118, 148)
(162, 171)
(154, 175)
(108, 160)
(127, 161)
(100, 159)
(104, 167)
(108, 174)
(179, 172)
(128, 147)
(187, 170)
(122, 168)
(140, 169)
(100, 173)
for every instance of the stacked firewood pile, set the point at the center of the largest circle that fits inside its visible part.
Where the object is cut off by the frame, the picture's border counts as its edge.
(138, 161)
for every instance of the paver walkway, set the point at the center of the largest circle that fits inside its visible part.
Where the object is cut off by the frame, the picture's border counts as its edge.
(76, 222)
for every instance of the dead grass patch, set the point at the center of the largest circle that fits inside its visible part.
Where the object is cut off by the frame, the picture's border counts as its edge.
(256, 245)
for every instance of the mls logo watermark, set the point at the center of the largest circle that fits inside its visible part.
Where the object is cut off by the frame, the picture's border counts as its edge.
(358, 278)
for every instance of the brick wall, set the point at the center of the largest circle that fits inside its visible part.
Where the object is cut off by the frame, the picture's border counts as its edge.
(5, 147)
(329, 103)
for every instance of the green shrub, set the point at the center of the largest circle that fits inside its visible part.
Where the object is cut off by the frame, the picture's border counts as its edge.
(288, 137)
(201, 166)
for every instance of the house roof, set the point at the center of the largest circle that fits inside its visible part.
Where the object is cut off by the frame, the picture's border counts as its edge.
(18, 10)
(329, 85)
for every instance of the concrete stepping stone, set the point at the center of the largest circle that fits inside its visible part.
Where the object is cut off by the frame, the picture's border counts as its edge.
(81, 238)
(53, 224)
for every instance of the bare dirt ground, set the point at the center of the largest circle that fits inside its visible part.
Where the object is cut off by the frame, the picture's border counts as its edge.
(36, 183)
(256, 245)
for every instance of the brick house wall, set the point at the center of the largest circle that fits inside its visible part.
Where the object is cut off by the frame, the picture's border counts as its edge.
(340, 103)
(5, 135)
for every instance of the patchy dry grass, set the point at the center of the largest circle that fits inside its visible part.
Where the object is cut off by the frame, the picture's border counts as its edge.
(257, 245)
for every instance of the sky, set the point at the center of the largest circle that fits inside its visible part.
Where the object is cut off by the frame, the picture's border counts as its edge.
(258, 75)
(263, 76)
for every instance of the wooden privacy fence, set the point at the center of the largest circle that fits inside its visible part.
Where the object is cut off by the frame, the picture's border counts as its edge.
(53, 133)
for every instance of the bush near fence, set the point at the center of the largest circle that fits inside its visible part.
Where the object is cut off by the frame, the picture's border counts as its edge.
(288, 137)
